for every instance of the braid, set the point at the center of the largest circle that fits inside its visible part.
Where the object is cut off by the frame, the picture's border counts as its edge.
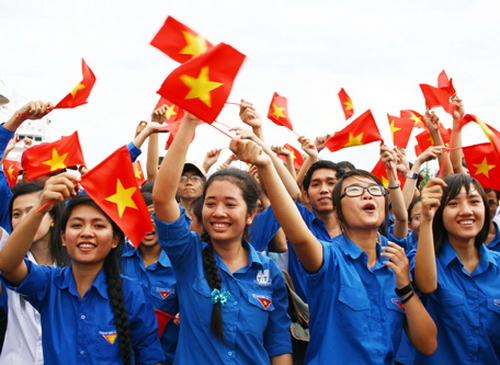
(115, 292)
(214, 281)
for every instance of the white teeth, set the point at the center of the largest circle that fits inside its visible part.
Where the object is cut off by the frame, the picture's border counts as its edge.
(467, 222)
(220, 225)
(85, 245)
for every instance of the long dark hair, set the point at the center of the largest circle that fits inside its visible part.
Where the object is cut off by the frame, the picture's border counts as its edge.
(250, 192)
(454, 186)
(337, 196)
(57, 250)
(113, 279)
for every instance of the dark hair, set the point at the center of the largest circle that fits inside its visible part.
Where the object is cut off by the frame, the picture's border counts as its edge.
(148, 198)
(147, 187)
(250, 191)
(454, 186)
(346, 165)
(321, 164)
(113, 279)
(337, 196)
(57, 250)
(414, 202)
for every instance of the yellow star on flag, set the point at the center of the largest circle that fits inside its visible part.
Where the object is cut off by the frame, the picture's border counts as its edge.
(170, 111)
(195, 45)
(123, 197)
(278, 111)
(385, 181)
(416, 119)
(56, 162)
(201, 86)
(10, 171)
(394, 129)
(483, 168)
(348, 104)
(76, 89)
(354, 141)
(292, 152)
(138, 173)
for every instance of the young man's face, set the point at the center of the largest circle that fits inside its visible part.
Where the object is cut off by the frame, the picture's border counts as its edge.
(190, 185)
(320, 190)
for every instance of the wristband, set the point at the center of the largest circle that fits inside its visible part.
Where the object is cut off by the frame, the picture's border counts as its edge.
(393, 187)
(403, 291)
(409, 297)
(412, 175)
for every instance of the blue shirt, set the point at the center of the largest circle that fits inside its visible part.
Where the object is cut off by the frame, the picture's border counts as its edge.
(159, 279)
(495, 242)
(83, 331)
(356, 318)
(5, 193)
(255, 322)
(263, 229)
(466, 310)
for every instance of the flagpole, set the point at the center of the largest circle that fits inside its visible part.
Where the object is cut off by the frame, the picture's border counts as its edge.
(230, 103)
(220, 130)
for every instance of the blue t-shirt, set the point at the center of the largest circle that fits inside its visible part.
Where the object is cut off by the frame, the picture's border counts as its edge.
(495, 242)
(255, 322)
(356, 317)
(466, 310)
(5, 193)
(263, 229)
(159, 279)
(83, 331)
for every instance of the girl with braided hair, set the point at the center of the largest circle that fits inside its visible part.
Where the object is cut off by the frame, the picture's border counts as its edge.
(89, 312)
(232, 299)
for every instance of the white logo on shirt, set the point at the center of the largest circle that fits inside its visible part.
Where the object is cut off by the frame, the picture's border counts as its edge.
(263, 277)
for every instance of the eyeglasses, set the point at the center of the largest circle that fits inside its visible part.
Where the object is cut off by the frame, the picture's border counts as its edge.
(193, 178)
(356, 190)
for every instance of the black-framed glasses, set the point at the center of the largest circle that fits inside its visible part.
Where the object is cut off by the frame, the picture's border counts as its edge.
(193, 178)
(357, 190)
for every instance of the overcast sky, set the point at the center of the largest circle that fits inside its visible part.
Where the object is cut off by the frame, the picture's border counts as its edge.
(378, 51)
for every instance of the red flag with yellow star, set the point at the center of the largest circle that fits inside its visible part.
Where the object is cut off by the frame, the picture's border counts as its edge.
(179, 42)
(416, 118)
(362, 130)
(483, 164)
(401, 129)
(47, 158)
(297, 157)
(113, 186)
(173, 113)
(380, 171)
(278, 111)
(79, 95)
(346, 103)
(138, 172)
(424, 139)
(11, 170)
(202, 85)
(435, 97)
(446, 84)
(492, 134)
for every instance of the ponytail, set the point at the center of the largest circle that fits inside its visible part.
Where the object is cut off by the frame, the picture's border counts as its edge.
(214, 281)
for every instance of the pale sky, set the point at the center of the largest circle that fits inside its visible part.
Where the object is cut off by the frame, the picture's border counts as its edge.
(378, 51)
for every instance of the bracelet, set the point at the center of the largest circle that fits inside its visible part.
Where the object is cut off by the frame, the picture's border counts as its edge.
(393, 187)
(412, 175)
(403, 291)
(409, 297)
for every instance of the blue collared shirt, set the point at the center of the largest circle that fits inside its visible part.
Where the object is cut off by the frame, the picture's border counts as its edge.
(466, 310)
(263, 229)
(5, 193)
(82, 331)
(159, 279)
(495, 242)
(255, 322)
(356, 318)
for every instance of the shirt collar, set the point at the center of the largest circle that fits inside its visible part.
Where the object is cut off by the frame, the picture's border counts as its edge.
(65, 280)
(448, 254)
(354, 252)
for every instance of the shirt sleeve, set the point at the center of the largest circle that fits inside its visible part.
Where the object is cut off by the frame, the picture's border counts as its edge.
(5, 193)
(134, 151)
(263, 229)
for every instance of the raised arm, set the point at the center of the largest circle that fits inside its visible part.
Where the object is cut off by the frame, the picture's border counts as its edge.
(168, 178)
(312, 156)
(158, 116)
(425, 260)
(250, 116)
(456, 154)
(307, 247)
(12, 264)
(432, 122)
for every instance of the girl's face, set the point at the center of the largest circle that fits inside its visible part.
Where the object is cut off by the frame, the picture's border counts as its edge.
(414, 223)
(151, 238)
(365, 211)
(225, 212)
(20, 208)
(463, 216)
(88, 236)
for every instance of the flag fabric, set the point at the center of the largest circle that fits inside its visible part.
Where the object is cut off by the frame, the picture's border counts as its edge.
(361, 131)
(179, 42)
(297, 157)
(417, 118)
(483, 164)
(492, 134)
(173, 113)
(79, 95)
(11, 169)
(346, 103)
(113, 186)
(424, 139)
(435, 97)
(47, 158)
(401, 129)
(138, 172)
(202, 85)
(278, 111)
(446, 84)
(380, 171)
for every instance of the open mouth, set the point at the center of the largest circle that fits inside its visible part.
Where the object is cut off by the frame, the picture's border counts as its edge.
(369, 207)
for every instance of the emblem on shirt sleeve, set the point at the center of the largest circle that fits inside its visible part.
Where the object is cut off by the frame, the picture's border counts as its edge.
(496, 302)
(164, 292)
(398, 302)
(264, 300)
(109, 336)
(263, 278)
